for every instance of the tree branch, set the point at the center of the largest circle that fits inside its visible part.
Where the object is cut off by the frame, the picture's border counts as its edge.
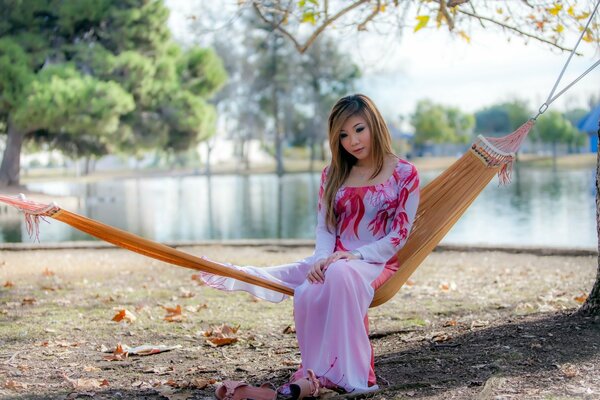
(277, 26)
(363, 25)
(515, 29)
(446, 14)
(328, 21)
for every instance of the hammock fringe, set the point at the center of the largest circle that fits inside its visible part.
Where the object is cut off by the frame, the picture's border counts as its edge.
(501, 152)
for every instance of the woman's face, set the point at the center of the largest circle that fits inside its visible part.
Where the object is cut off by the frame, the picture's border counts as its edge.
(355, 137)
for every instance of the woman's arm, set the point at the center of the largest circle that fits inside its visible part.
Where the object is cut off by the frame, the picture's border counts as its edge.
(385, 248)
(325, 240)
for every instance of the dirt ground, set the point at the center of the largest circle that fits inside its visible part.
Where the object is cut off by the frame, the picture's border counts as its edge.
(469, 325)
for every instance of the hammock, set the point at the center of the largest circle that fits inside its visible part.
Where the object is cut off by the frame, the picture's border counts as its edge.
(443, 201)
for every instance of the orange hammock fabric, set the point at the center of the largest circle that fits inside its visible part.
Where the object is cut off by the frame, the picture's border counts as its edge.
(443, 202)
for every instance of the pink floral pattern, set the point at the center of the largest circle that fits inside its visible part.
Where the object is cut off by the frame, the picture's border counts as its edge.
(375, 219)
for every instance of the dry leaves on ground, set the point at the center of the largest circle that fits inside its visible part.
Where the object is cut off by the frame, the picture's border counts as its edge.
(118, 354)
(221, 336)
(174, 314)
(289, 330)
(14, 385)
(86, 383)
(28, 301)
(581, 299)
(124, 315)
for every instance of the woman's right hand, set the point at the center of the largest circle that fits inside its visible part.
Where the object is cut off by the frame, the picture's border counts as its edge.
(316, 274)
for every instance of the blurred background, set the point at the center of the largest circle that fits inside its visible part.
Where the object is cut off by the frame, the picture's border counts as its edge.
(185, 121)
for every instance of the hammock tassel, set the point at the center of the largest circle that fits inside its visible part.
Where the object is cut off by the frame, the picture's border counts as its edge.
(501, 152)
(34, 212)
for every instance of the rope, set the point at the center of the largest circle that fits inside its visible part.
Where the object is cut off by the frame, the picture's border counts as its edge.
(551, 96)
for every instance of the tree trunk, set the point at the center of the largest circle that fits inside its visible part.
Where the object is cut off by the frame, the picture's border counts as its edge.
(209, 149)
(11, 160)
(592, 304)
(275, 100)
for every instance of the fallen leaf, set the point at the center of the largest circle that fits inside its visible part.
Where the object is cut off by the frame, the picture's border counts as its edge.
(47, 272)
(221, 341)
(451, 322)
(186, 294)
(174, 314)
(124, 315)
(569, 370)
(198, 279)
(159, 370)
(117, 355)
(196, 308)
(28, 300)
(85, 383)
(289, 330)
(581, 299)
(147, 350)
(90, 368)
(446, 286)
(8, 284)
(201, 383)
(440, 337)
(221, 336)
(23, 367)
(173, 394)
(409, 283)
(14, 385)
(479, 324)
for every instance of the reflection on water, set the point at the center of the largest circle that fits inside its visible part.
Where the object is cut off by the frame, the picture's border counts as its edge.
(540, 208)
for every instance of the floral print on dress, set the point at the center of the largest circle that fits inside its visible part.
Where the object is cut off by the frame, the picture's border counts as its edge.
(374, 219)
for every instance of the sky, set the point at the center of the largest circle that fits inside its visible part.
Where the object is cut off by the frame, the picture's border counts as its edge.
(432, 64)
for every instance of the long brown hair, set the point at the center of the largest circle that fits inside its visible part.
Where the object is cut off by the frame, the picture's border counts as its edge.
(341, 160)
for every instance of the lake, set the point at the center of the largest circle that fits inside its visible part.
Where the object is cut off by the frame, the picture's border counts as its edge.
(541, 207)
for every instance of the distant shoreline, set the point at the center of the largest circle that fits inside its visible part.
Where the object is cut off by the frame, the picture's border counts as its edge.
(582, 160)
(296, 243)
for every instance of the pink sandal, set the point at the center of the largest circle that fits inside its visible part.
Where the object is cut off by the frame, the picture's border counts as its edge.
(236, 390)
(305, 387)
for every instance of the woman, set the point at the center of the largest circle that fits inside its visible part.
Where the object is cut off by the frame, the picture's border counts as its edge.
(367, 202)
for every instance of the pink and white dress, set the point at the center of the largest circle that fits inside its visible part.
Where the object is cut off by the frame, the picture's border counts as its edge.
(331, 318)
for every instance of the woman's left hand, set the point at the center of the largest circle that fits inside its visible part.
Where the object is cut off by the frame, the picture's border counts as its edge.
(339, 255)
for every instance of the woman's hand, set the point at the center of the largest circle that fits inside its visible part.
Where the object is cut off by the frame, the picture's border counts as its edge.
(316, 274)
(339, 255)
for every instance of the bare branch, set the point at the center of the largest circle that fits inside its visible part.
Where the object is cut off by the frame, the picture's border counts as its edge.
(363, 25)
(515, 29)
(277, 26)
(328, 21)
(454, 3)
(446, 14)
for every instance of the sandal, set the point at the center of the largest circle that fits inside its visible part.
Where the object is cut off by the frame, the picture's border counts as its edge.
(305, 387)
(236, 390)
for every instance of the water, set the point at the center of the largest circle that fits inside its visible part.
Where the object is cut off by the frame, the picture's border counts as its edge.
(540, 208)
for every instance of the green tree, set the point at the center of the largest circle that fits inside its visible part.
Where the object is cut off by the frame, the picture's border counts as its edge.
(554, 129)
(96, 76)
(275, 89)
(503, 118)
(434, 123)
